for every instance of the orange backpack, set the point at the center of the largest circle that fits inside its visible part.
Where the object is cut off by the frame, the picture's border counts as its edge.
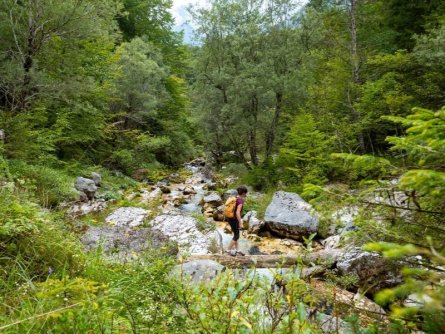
(229, 207)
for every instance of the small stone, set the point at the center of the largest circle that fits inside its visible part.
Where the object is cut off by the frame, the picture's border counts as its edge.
(189, 190)
(86, 186)
(97, 178)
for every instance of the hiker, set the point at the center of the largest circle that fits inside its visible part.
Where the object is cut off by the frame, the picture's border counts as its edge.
(236, 223)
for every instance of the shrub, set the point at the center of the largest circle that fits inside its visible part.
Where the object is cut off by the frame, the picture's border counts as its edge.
(49, 186)
(34, 238)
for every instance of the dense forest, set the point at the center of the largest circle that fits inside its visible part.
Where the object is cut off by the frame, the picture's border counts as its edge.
(339, 101)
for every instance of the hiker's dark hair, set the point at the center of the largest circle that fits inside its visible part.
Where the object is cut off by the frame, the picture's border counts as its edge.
(241, 190)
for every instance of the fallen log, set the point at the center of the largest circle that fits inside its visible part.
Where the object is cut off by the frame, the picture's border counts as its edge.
(324, 257)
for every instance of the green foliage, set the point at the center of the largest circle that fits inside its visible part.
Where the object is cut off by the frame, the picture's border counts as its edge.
(50, 186)
(258, 202)
(202, 224)
(305, 153)
(133, 297)
(422, 288)
(34, 240)
(425, 145)
(364, 166)
(229, 304)
(262, 177)
(347, 281)
(5, 175)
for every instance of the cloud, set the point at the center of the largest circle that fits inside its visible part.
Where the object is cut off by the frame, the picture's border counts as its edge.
(179, 10)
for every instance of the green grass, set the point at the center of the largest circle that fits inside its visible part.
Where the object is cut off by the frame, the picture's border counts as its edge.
(258, 203)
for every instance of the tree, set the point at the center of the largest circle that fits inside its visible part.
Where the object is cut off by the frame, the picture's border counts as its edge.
(250, 55)
(56, 59)
(153, 21)
(411, 18)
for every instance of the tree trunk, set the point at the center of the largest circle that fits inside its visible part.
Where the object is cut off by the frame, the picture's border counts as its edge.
(253, 149)
(355, 62)
(324, 258)
(28, 62)
(270, 137)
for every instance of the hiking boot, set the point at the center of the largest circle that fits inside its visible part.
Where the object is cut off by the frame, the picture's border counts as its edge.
(240, 253)
(231, 253)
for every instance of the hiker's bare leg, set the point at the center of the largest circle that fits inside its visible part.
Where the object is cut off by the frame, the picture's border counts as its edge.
(231, 244)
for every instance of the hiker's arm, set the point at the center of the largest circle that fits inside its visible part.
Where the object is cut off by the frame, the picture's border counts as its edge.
(238, 215)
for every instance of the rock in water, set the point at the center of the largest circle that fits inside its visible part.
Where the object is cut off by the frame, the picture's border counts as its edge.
(189, 190)
(86, 186)
(127, 216)
(213, 199)
(288, 215)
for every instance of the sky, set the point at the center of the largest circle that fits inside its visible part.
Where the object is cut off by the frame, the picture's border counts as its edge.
(179, 11)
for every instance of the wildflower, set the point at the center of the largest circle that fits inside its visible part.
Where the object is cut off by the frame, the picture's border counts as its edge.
(50, 270)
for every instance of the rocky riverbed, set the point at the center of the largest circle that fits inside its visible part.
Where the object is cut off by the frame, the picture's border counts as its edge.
(184, 216)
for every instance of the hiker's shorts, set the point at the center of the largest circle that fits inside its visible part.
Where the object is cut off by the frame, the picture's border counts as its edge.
(234, 225)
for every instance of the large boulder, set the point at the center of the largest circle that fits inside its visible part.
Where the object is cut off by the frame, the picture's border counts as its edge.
(346, 301)
(123, 243)
(127, 217)
(288, 215)
(184, 230)
(371, 268)
(86, 187)
(198, 270)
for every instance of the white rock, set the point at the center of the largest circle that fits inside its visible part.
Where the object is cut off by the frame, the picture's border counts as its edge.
(290, 216)
(127, 216)
(183, 230)
(213, 198)
(148, 196)
(331, 242)
(81, 209)
(363, 303)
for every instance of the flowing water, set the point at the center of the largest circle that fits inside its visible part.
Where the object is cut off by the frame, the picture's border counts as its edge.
(193, 205)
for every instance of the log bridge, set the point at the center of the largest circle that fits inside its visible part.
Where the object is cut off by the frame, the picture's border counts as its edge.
(325, 258)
